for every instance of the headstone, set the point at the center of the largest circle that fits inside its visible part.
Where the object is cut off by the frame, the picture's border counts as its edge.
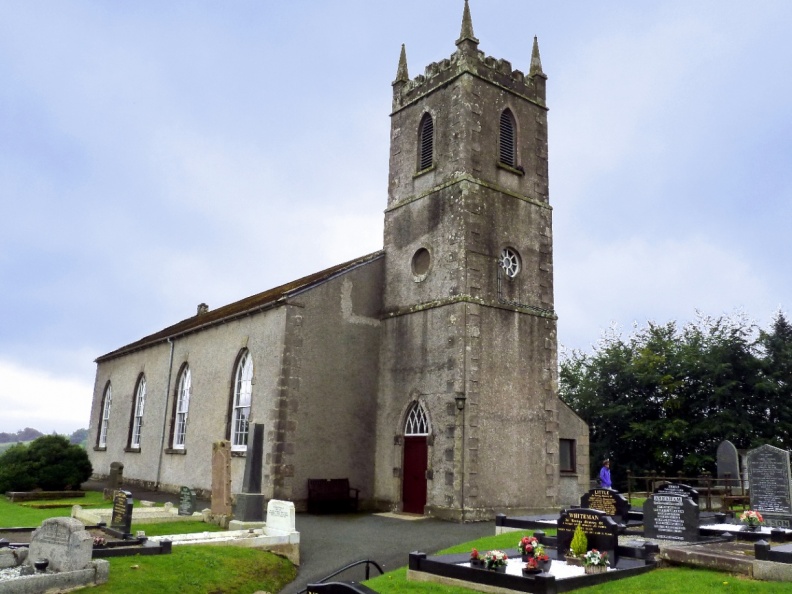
(250, 502)
(728, 464)
(221, 478)
(64, 542)
(121, 518)
(186, 501)
(680, 489)
(280, 516)
(601, 531)
(671, 513)
(768, 474)
(116, 477)
(610, 501)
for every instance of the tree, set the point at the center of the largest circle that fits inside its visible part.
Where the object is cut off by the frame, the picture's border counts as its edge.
(79, 436)
(664, 398)
(49, 462)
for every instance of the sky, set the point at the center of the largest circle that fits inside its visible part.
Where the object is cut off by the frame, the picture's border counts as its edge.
(156, 155)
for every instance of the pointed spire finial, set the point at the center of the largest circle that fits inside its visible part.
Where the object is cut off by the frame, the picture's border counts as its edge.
(536, 61)
(401, 72)
(467, 27)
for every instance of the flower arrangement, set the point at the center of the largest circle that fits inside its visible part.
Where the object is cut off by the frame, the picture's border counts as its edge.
(752, 518)
(527, 545)
(596, 559)
(99, 541)
(540, 554)
(475, 558)
(494, 559)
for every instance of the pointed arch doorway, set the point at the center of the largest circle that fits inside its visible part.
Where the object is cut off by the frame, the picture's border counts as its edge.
(415, 463)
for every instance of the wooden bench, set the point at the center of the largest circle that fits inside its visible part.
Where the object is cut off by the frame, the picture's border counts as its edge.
(331, 496)
(727, 501)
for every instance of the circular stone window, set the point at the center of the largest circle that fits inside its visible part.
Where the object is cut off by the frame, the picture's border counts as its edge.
(420, 264)
(510, 262)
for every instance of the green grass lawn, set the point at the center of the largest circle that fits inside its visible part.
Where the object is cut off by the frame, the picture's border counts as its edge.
(26, 515)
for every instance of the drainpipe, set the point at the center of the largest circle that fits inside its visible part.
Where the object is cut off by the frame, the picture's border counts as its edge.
(164, 416)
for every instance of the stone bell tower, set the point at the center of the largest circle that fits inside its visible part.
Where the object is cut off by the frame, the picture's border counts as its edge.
(468, 410)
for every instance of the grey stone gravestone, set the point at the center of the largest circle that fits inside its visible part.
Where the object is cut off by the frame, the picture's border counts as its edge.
(121, 518)
(221, 478)
(186, 501)
(601, 531)
(116, 477)
(728, 464)
(64, 542)
(250, 502)
(610, 501)
(768, 474)
(671, 513)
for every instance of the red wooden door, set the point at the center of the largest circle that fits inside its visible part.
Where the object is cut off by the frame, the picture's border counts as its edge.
(414, 474)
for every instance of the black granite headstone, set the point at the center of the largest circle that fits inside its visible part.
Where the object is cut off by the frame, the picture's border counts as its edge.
(121, 518)
(186, 501)
(728, 464)
(610, 501)
(671, 514)
(680, 489)
(602, 533)
(768, 477)
(251, 501)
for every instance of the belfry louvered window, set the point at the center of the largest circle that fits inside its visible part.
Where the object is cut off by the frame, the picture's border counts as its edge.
(508, 155)
(417, 423)
(425, 142)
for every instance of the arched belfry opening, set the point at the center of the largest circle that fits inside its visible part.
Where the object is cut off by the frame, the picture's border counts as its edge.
(416, 458)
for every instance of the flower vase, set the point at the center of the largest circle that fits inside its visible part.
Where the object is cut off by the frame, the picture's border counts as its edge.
(591, 569)
(751, 527)
(545, 565)
(526, 556)
(498, 569)
(531, 570)
(576, 561)
(476, 563)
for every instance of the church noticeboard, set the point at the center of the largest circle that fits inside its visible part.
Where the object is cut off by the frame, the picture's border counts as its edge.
(601, 531)
(609, 501)
(186, 501)
(671, 515)
(768, 477)
(121, 518)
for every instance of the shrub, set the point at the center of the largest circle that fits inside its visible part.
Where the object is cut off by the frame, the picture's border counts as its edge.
(579, 543)
(50, 463)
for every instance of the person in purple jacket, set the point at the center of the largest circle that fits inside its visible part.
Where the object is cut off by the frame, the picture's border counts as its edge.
(604, 477)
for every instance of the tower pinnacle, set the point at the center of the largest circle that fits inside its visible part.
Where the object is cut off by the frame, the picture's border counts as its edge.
(467, 27)
(536, 61)
(401, 72)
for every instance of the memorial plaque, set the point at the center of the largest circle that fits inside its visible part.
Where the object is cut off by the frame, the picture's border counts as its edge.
(601, 531)
(768, 475)
(121, 519)
(186, 501)
(678, 489)
(728, 464)
(671, 515)
(610, 501)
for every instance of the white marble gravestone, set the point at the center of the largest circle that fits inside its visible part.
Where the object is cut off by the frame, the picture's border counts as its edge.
(280, 516)
(64, 542)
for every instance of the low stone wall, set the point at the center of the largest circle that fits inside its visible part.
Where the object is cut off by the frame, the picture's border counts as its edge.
(17, 496)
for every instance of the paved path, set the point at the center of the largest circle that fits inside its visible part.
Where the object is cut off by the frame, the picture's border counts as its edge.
(327, 543)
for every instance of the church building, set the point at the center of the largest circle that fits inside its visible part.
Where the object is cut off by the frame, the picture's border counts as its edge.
(425, 373)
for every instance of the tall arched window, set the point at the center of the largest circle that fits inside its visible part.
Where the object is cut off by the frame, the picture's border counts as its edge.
(417, 423)
(182, 405)
(137, 412)
(425, 142)
(508, 153)
(240, 414)
(104, 419)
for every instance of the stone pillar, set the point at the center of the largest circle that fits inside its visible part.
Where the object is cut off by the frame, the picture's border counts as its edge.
(221, 478)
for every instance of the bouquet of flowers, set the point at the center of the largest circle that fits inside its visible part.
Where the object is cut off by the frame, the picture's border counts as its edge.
(495, 559)
(474, 556)
(527, 545)
(595, 558)
(540, 554)
(752, 518)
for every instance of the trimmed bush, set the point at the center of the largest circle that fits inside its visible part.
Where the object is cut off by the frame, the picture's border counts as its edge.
(49, 463)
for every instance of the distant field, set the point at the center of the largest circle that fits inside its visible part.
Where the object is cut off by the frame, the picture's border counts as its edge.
(5, 446)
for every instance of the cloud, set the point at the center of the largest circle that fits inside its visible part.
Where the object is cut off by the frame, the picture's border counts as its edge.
(36, 398)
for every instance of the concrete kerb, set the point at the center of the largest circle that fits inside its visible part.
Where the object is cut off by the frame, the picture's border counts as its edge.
(36, 583)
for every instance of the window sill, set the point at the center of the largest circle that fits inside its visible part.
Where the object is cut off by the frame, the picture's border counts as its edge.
(569, 473)
(516, 170)
(424, 171)
(176, 451)
(129, 450)
(100, 448)
(238, 453)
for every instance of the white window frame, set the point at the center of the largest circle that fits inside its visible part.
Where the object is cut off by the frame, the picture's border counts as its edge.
(243, 390)
(104, 421)
(137, 419)
(182, 407)
(417, 421)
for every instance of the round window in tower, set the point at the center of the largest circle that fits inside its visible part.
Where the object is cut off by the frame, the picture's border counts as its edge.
(420, 264)
(510, 262)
